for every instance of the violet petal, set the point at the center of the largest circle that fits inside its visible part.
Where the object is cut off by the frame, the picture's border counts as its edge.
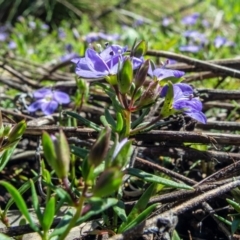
(42, 93)
(48, 107)
(61, 97)
(95, 62)
(197, 115)
(35, 106)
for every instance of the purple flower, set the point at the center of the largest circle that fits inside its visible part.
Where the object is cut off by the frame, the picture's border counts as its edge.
(91, 37)
(44, 26)
(99, 65)
(69, 54)
(162, 73)
(190, 48)
(190, 19)
(166, 21)
(109, 37)
(196, 36)
(138, 22)
(222, 41)
(171, 61)
(94, 36)
(47, 100)
(205, 23)
(12, 45)
(32, 24)
(184, 100)
(61, 33)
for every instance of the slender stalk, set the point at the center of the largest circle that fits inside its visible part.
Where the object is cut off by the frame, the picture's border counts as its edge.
(77, 214)
(127, 120)
(137, 130)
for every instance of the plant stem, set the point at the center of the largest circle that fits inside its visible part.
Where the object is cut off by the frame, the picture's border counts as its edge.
(73, 221)
(137, 130)
(127, 120)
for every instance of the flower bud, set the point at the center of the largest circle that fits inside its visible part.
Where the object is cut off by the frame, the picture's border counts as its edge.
(150, 94)
(63, 153)
(17, 131)
(125, 76)
(140, 49)
(100, 147)
(142, 74)
(108, 182)
(57, 153)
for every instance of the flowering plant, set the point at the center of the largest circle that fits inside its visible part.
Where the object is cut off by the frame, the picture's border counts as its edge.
(134, 85)
(48, 100)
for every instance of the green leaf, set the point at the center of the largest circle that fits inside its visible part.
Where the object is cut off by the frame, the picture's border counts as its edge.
(224, 220)
(235, 224)
(87, 171)
(108, 182)
(123, 155)
(48, 215)
(79, 152)
(138, 207)
(100, 148)
(5, 237)
(171, 79)
(125, 76)
(109, 118)
(35, 202)
(63, 195)
(141, 217)
(140, 119)
(6, 155)
(112, 95)
(21, 190)
(62, 225)
(84, 121)
(175, 235)
(234, 204)
(49, 149)
(156, 179)
(104, 121)
(119, 209)
(17, 131)
(120, 123)
(20, 203)
(96, 205)
(140, 49)
(167, 108)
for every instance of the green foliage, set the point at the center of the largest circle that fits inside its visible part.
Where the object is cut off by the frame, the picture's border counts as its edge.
(133, 217)
(125, 76)
(156, 179)
(86, 122)
(19, 201)
(132, 95)
(9, 138)
(167, 108)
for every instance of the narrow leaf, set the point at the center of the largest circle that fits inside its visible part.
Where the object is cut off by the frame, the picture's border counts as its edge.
(109, 118)
(84, 121)
(48, 215)
(153, 178)
(235, 205)
(35, 202)
(20, 203)
(96, 205)
(119, 209)
(138, 207)
(167, 108)
(141, 217)
(79, 152)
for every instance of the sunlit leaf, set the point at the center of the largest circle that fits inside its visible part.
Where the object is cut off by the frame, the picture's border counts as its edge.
(156, 179)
